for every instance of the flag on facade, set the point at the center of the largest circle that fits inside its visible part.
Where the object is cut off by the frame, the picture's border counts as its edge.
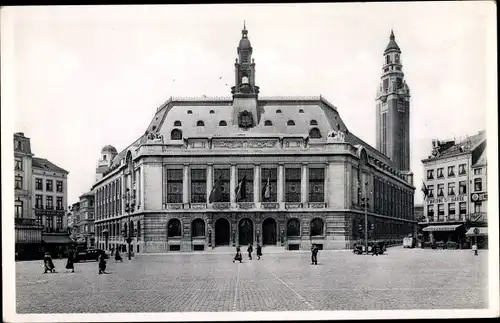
(241, 189)
(425, 190)
(267, 189)
(216, 192)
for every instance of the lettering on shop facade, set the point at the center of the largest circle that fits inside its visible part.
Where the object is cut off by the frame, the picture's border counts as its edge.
(458, 198)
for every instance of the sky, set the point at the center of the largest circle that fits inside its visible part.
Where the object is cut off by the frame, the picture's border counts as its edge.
(85, 77)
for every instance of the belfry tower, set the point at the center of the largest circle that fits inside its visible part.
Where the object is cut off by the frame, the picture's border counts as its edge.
(245, 92)
(393, 109)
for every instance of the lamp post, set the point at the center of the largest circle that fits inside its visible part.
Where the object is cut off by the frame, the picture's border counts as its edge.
(129, 208)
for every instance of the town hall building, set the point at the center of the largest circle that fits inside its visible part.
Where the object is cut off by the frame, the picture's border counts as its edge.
(279, 171)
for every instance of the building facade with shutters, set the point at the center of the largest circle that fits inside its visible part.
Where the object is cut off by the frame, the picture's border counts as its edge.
(455, 189)
(279, 171)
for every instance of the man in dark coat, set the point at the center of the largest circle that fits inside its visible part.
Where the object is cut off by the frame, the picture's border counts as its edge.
(71, 261)
(118, 257)
(314, 255)
(238, 255)
(250, 250)
(102, 263)
(259, 251)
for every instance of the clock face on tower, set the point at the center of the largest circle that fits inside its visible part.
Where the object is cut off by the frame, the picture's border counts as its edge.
(245, 120)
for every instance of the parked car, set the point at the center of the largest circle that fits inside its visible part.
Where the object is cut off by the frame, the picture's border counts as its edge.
(90, 254)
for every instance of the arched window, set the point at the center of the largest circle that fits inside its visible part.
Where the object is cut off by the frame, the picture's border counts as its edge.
(338, 126)
(174, 228)
(268, 123)
(138, 228)
(132, 233)
(278, 111)
(387, 59)
(222, 123)
(176, 134)
(200, 123)
(293, 228)
(290, 123)
(317, 227)
(190, 112)
(177, 123)
(212, 111)
(301, 111)
(198, 228)
(314, 133)
(313, 123)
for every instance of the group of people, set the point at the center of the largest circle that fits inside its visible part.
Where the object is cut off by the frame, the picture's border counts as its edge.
(239, 257)
(49, 263)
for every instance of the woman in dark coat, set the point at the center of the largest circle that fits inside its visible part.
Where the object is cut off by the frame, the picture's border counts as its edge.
(250, 250)
(71, 261)
(238, 255)
(102, 264)
(259, 251)
(117, 256)
(48, 263)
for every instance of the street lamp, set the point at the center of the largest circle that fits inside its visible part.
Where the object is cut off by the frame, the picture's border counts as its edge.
(129, 208)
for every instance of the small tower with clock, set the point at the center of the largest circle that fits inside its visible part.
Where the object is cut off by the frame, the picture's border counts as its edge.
(245, 92)
(393, 109)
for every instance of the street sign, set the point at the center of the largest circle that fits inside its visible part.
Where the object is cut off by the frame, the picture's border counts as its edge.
(476, 231)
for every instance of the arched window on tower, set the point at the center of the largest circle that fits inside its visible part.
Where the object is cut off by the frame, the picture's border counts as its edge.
(290, 123)
(388, 59)
(268, 123)
(314, 133)
(176, 134)
(200, 123)
(397, 58)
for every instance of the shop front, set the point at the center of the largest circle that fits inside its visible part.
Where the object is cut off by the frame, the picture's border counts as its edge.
(444, 235)
(479, 236)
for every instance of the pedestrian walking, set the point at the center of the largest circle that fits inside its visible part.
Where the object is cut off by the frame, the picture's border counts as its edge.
(48, 263)
(102, 263)
(112, 251)
(71, 261)
(238, 256)
(259, 251)
(250, 250)
(314, 255)
(117, 256)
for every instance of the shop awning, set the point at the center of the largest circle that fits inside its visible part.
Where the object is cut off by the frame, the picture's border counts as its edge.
(57, 239)
(444, 227)
(482, 231)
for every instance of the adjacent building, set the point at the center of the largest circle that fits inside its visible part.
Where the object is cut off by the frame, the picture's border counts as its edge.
(40, 205)
(83, 220)
(455, 190)
(279, 171)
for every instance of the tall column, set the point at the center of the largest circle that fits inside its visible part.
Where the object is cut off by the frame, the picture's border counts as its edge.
(232, 183)
(210, 180)
(185, 184)
(325, 188)
(256, 184)
(281, 183)
(303, 185)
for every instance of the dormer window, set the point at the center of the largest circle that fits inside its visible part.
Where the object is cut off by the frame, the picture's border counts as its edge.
(190, 112)
(313, 123)
(268, 123)
(314, 133)
(301, 111)
(212, 111)
(290, 123)
(177, 123)
(176, 134)
(200, 123)
(278, 111)
(222, 123)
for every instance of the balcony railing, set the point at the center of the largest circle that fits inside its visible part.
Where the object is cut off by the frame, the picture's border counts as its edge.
(27, 222)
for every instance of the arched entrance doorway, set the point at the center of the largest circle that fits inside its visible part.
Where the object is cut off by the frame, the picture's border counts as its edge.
(245, 232)
(222, 232)
(269, 235)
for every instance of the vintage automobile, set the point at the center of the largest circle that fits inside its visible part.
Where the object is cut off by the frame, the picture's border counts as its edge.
(89, 254)
(376, 247)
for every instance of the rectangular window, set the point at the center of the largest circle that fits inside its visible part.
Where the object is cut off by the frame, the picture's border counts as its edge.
(49, 222)
(198, 186)
(440, 189)
(49, 203)
(451, 211)
(384, 133)
(440, 212)
(223, 176)
(386, 84)
(461, 169)
(38, 201)
(292, 184)
(59, 186)
(430, 188)
(174, 185)
(19, 164)
(18, 184)
(430, 212)
(462, 208)
(245, 192)
(478, 184)
(451, 189)
(49, 185)
(451, 171)
(478, 171)
(59, 222)
(19, 209)
(478, 207)
(430, 174)
(462, 187)
(316, 184)
(39, 184)
(59, 203)
(269, 178)
(39, 219)
(440, 173)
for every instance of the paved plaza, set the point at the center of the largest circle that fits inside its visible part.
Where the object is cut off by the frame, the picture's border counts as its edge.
(285, 281)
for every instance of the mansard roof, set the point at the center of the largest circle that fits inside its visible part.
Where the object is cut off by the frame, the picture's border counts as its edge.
(44, 164)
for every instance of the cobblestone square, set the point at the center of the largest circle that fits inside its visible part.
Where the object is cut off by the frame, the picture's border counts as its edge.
(210, 282)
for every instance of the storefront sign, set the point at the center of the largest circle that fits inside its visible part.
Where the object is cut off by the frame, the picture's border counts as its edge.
(478, 197)
(458, 198)
(49, 212)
